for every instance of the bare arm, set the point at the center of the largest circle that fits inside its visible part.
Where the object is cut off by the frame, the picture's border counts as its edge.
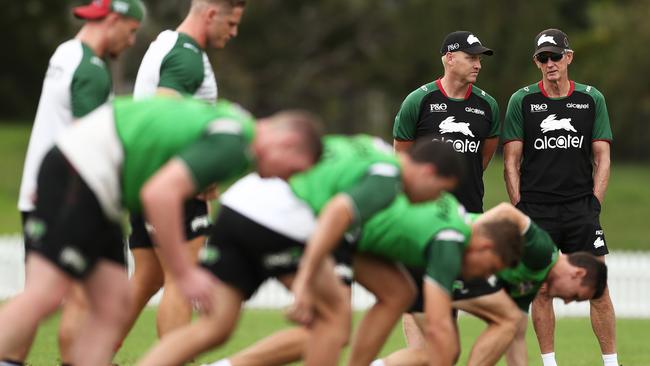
(402, 146)
(602, 165)
(162, 200)
(506, 211)
(489, 147)
(333, 221)
(512, 153)
(440, 332)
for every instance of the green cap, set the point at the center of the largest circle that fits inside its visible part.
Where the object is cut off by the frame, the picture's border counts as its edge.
(98, 9)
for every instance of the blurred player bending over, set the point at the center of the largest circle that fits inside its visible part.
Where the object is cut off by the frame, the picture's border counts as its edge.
(136, 156)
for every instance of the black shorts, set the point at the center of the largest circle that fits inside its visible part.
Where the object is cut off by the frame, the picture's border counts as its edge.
(574, 226)
(68, 226)
(24, 216)
(462, 289)
(244, 254)
(196, 223)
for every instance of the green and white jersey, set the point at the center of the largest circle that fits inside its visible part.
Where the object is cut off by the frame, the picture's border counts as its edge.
(362, 167)
(464, 123)
(538, 257)
(557, 134)
(77, 81)
(117, 148)
(431, 235)
(175, 61)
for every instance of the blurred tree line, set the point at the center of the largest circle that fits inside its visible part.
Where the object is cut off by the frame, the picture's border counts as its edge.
(353, 61)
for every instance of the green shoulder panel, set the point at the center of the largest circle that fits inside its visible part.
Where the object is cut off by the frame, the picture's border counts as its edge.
(602, 129)
(407, 118)
(182, 68)
(513, 124)
(91, 84)
(495, 128)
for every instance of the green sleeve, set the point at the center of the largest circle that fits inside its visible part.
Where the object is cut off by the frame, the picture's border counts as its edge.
(602, 130)
(513, 124)
(406, 121)
(444, 257)
(182, 70)
(375, 191)
(539, 249)
(495, 128)
(90, 88)
(216, 158)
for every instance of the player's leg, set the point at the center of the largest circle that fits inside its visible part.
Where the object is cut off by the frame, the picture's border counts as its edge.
(174, 310)
(108, 296)
(415, 353)
(586, 234)
(208, 331)
(603, 322)
(502, 316)
(329, 332)
(517, 353)
(543, 317)
(146, 280)
(18, 356)
(394, 291)
(45, 287)
(550, 218)
(73, 316)
(280, 348)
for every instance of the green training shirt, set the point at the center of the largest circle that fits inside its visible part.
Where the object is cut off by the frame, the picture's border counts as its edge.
(175, 61)
(116, 153)
(362, 167)
(539, 255)
(431, 235)
(76, 82)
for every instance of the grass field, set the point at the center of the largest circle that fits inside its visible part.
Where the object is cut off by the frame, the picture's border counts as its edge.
(624, 212)
(576, 345)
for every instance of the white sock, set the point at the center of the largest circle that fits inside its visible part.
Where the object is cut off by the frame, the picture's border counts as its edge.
(548, 359)
(223, 362)
(381, 362)
(610, 360)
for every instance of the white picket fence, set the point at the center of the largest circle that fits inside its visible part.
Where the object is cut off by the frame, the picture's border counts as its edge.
(629, 281)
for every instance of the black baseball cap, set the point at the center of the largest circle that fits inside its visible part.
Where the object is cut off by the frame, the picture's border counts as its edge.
(464, 41)
(551, 40)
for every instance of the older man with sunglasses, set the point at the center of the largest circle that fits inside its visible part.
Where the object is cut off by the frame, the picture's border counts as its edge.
(557, 162)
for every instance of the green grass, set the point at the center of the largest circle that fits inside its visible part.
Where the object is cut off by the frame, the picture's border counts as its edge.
(576, 344)
(624, 210)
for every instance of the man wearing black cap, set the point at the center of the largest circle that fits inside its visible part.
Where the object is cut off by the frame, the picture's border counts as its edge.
(454, 110)
(557, 162)
(77, 81)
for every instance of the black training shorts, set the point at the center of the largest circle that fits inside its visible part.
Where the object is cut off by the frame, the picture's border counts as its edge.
(244, 254)
(196, 223)
(68, 226)
(574, 226)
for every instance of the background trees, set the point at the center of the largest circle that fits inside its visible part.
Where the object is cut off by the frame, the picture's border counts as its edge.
(353, 61)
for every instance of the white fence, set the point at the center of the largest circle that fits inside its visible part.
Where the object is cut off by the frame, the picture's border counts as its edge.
(629, 281)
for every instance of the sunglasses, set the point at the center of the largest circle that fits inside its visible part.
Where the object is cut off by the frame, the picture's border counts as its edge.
(544, 57)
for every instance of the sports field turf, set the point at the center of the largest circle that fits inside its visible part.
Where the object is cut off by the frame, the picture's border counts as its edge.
(576, 345)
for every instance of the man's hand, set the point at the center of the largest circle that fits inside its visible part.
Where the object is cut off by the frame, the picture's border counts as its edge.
(302, 309)
(198, 287)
